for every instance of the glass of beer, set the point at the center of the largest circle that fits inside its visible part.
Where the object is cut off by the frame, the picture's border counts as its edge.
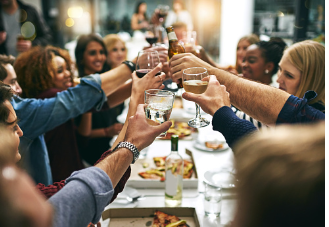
(158, 106)
(195, 80)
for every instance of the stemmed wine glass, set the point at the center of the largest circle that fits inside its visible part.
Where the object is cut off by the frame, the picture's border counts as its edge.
(152, 34)
(163, 12)
(146, 61)
(194, 81)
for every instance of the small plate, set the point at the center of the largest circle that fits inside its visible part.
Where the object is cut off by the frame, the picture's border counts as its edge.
(201, 146)
(221, 178)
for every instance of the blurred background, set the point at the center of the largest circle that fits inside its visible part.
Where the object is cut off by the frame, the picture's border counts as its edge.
(219, 23)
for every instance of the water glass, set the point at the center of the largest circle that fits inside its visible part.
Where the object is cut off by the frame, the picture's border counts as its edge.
(158, 107)
(212, 200)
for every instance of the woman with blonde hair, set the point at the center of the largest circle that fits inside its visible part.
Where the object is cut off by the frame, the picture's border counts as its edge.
(241, 50)
(116, 50)
(302, 68)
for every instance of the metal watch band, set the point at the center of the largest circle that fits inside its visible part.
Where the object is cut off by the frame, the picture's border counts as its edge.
(130, 64)
(130, 147)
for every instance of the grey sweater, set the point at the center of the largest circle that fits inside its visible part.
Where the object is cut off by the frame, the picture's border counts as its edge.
(83, 198)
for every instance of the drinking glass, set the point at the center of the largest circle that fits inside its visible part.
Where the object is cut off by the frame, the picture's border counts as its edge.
(212, 199)
(163, 12)
(152, 34)
(194, 81)
(158, 107)
(146, 61)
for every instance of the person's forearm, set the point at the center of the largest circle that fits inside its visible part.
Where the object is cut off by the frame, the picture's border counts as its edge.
(112, 80)
(134, 101)
(259, 101)
(116, 164)
(120, 95)
(85, 125)
(96, 133)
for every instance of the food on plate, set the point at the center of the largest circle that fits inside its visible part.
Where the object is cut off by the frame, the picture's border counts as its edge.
(179, 128)
(214, 144)
(159, 172)
(162, 219)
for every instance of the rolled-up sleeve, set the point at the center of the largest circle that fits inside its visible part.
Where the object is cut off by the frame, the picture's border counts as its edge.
(83, 199)
(38, 116)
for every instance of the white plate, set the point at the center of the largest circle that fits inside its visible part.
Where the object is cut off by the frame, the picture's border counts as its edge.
(222, 178)
(202, 146)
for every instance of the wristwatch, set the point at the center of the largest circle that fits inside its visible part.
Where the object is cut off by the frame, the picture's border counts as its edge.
(130, 64)
(130, 147)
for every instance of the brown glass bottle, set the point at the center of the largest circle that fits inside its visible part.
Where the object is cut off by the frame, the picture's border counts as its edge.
(174, 47)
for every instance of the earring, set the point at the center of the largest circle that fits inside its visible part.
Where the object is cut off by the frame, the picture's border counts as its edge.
(266, 71)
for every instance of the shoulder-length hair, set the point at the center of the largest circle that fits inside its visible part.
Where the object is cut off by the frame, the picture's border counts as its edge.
(82, 43)
(35, 69)
(309, 57)
(137, 9)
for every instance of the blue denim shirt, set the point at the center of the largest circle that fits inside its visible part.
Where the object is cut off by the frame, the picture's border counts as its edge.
(37, 116)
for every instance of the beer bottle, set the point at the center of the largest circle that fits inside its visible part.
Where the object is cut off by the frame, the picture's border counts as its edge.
(174, 47)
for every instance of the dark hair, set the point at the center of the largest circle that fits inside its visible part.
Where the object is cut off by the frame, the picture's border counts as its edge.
(35, 70)
(272, 51)
(137, 9)
(4, 60)
(82, 43)
(6, 93)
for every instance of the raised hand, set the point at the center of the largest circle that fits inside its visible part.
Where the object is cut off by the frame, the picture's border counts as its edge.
(180, 62)
(140, 133)
(212, 99)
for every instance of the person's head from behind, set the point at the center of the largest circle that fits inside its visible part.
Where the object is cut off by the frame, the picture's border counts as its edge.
(116, 49)
(180, 29)
(281, 182)
(90, 54)
(21, 204)
(241, 49)
(262, 59)
(141, 7)
(302, 68)
(43, 68)
(8, 74)
(178, 5)
(8, 120)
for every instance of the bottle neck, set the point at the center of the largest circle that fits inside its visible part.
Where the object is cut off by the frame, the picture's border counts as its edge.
(172, 36)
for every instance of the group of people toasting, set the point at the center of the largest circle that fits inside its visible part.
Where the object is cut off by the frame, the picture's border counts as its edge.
(44, 116)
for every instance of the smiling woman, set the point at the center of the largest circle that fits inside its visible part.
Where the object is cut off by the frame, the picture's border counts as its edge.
(42, 72)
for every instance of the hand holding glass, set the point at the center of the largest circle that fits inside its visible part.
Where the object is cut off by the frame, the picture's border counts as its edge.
(194, 82)
(158, 107)
(146, 61)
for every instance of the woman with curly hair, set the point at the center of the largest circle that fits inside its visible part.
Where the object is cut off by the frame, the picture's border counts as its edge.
(42, 72)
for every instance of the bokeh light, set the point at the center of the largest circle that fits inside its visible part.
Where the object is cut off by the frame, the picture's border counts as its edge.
(28, 30)
(69, 22)
(75, 12)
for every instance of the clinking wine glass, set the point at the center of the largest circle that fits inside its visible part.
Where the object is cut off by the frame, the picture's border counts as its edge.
(146, 61)
(195, 81)
(152, 34)
(163, 12)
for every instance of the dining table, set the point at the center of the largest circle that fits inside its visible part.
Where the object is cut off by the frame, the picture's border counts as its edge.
(204, 160)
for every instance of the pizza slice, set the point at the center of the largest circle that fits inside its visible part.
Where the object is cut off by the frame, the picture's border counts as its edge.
(162, 219)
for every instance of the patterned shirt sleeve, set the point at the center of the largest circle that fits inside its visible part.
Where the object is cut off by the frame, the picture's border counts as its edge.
(297, 110)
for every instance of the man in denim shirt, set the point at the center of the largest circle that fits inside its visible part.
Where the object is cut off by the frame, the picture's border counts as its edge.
(39, 116)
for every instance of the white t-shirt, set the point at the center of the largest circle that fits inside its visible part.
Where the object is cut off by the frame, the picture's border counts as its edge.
(183, 16)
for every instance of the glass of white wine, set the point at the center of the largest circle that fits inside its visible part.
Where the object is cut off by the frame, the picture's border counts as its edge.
(195, 81)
